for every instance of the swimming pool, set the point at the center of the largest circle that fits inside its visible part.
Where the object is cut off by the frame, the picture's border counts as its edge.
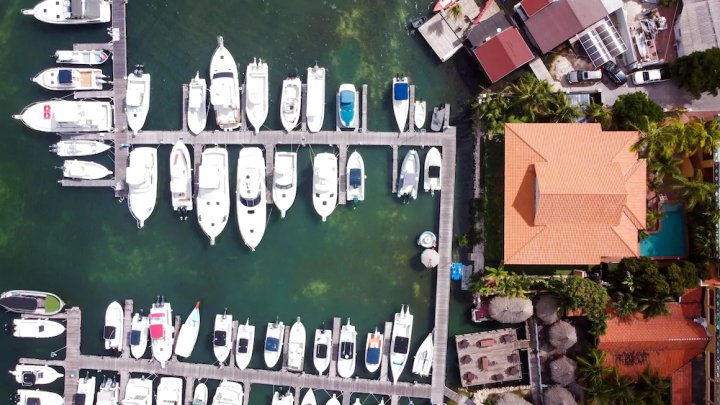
(671, 239)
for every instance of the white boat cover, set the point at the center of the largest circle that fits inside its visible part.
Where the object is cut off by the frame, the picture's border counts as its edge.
(136, 176)
(209, 177)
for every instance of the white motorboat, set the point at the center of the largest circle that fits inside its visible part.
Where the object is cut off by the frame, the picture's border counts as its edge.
(322, 349)
(325, 184)
(213, 195)
(224, 88)
(137, 101)
(296, 347)
(420, 113)
(69, 12)
(401, 100)
(169, 391)
(139, 329)
(68, 117)
(273, 343)
(113, 332)
(109, 393)
(400, 345)
(355, 175)
(256, 93)
(347, 108)
(244, 344)
(228, 393)
(424, 357)
(187, 337)
(333, 400)
(438, 119)
(433, 164)
(31, 302)
(37, 328)
(197, 104)
(84, 170)
(138, 391)
(36, 397)
(90, 58)
(347, 353)
(75, 148)
(27, 375)
(161, 331)
(141, 178)
(309, 398)
(284, 181)
(181, 179)
(200, 396)
(222, 336)
(85, 392)
(250, 196)
(409, 176)
(70, 79)
(283, 399)
(373, 351)
(315, 108)
(290, 103)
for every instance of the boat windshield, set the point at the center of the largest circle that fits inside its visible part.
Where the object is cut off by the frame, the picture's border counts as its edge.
(135, 337)
(254, 202)
(347, 350)
(321, 351)
(272, 344)
(434, 172)
(355, 178)
(243, 345)
(219, 338)
(109, 332)
(222, 74)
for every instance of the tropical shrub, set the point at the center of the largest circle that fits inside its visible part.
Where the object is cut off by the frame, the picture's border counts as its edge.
(632, 111)
(697, 73)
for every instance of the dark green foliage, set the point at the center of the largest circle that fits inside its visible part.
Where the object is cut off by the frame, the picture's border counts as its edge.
(675, 279)
(476, 211)
(702, 231)
(697, 73)
(631, 110)
(583, 293)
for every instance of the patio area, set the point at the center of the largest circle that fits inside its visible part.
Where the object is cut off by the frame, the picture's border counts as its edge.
(489, 357)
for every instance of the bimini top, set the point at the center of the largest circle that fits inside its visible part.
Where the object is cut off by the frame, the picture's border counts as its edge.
(272, 344)
(347, 350)
(109, 332)
(20, 303)
(401, 345)
(157, 331)
(401, 91)
(64, 76)
(355, 177)
(434, 172)
(219, 338)
(135, 337)
(242, 345)
(321, 351)
(373, 355)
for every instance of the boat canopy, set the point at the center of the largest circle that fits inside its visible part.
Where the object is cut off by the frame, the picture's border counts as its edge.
(28, 378)
(219, 338)
(347, 350)
(373, 355)
(157, 331)
(77, 399)
(109, 332)
(401, 91)
(135, 337)
(221, 94)
(355, 178)
(135, 94)
(178, 184)
(242, 346)
(272, 344)
(401, 345)
(195, 99)
(64, 76)
(347, 97)
(209, 177)
(321, 351)
(136, 176)
(409, 180)
(434, 172)
(35, 401)
(19, 303)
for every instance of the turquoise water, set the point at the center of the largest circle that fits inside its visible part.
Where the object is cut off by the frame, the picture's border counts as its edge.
(84, 245)
(671, 240)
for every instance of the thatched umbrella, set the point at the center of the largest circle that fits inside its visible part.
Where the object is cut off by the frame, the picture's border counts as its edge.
(465, 359)
(430, 258)
(546, 308)
(510, 310)
(469, 377)
(563, 370)
(509, 398)
(463, 344)
(562, 335)
(558, 395)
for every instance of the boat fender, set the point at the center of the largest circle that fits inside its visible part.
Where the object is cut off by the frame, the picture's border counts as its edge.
(46, 111)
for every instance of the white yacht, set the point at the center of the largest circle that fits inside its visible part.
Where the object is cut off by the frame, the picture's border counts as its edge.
(283, 399)
(256, 93)
(228, 393)
(401, 100)
(68, 12)
(400, 345)
(355, 176)
(85, 392)
(250, 196)
(273, 343)
(27, 375)
(322, 350)
(424, 357)
(113, 332)
(222, 336)
(70, 79)
(68, 117)
(284, 186)
(433, 164)
(244, 344)
(224, 88)
(315, 108)
(187, 337)
(325, 184)
(37, 328)
(138, 391)
(347, 108)
(290, 103)
(181, 179)
(137, 101)
(197, 104)
(84, 170)
(309, 398)
(296, 347)
(213, 195)
(373, 350)
(161, 331)
(347, 352)
(109, 393)
(139, 329)
(169, 391)
(420, 114)
(90, 58)
(37, 397)
(333, 400)
(200, 396)
(73, 148)
(409, 176)
(141, 178)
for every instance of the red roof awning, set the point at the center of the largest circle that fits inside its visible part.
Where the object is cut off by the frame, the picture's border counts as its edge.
(503, 53)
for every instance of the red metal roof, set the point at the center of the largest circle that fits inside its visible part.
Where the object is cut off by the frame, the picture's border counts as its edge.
(561, 20)
(503, 53)
(533, 6)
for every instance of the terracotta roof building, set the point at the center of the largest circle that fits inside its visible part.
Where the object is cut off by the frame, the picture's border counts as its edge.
(574, 194)
(503, 53)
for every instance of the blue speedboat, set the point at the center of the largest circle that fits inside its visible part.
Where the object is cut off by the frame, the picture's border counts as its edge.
(347, 108)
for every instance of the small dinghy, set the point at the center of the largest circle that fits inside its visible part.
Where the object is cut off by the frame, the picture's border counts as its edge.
(187, 337)
(70, 79)
(424, 357)
(244, 344)
(79, 148)
(37, 328)
(355, 176)
(321, 350)
(315, 107)
(27, 375)
(290, 103)
(409, 176)
(284, 188)
(373, 351)
(420, 113)
(200, 397)
(90, 58)
(273, 343)
(438, 118)
(181, 180)
(31, 302)
(138, 99)
(222, 336)
(113, 332)
(84, 170)
(433, 163)
(197, 104)
(296, 347)
(37, 397)
(139, 335)
(256, 93)
(401, 100)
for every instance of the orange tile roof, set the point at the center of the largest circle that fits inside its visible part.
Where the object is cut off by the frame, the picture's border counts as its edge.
(574, 194)
(682, 385)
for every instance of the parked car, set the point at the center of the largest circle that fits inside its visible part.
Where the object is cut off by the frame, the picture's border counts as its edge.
(578, 76)
(614, 73)
(650, 76)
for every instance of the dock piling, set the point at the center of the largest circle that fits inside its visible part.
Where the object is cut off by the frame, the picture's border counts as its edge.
(332, 372)
(342, 174)
(394, 168)
(363, 116)
(411, 111)
(127, 327)
(387, 336)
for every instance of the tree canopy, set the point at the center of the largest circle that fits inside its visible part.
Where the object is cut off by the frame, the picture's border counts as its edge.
(632, 111)
(697, 73)
(586, 294)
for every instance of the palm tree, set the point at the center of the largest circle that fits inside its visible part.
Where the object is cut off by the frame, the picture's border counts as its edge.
(663, 166)
(655, 142)
(653, 217)
(456, 11)
(561, 110)
(530, 97)
(651, 388)
(599, 113)
(591, 367)
(491, 114)
(622, 387)
(696, 191)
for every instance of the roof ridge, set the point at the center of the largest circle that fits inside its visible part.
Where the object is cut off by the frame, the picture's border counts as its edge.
(527, 242)
(632, 254)
(537, 152)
